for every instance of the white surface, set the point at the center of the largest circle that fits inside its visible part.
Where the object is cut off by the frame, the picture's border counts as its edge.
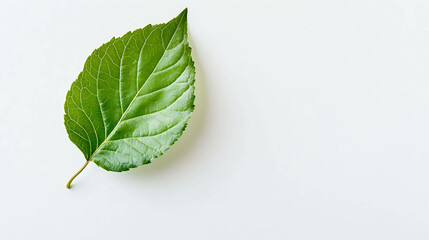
(311, 123)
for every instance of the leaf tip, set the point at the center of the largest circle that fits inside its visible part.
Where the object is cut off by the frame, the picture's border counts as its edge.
(184, 13)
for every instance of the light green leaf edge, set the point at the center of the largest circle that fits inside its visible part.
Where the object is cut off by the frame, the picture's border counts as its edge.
(84, 126)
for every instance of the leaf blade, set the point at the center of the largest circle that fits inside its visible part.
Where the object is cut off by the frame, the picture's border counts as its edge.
(138, 93)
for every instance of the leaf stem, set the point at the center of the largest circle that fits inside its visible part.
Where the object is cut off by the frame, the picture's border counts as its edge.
(80, 170)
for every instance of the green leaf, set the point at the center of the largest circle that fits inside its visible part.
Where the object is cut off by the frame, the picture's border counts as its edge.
(133, 98)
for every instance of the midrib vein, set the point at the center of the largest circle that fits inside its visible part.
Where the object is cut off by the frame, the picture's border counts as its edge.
(135, 97)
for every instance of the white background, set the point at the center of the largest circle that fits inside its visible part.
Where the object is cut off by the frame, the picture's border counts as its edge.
(311, 122)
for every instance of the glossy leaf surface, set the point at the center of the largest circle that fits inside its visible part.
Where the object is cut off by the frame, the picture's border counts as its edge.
(134, 96)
